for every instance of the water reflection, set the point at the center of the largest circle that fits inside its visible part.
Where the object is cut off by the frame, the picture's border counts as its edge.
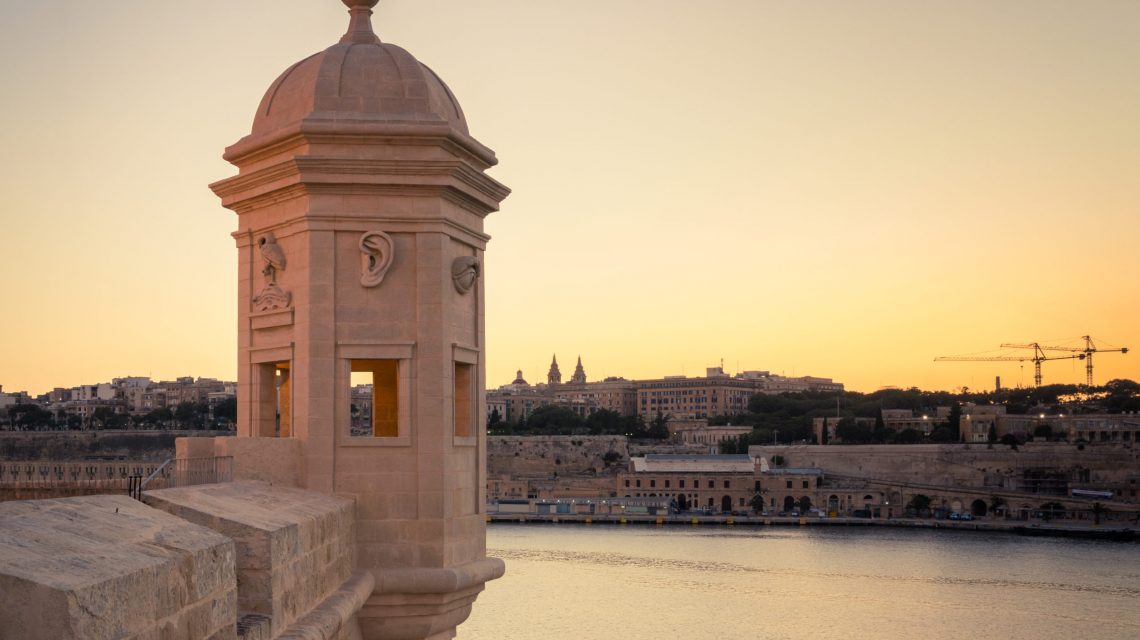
(646, 582)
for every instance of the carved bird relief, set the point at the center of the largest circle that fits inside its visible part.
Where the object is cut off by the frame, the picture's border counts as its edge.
(273, 255)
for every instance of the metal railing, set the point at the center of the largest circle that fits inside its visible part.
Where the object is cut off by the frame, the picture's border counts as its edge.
(185, 472)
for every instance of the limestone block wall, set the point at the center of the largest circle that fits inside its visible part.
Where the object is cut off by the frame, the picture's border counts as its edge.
(111, 567)
(546, 455)
(235, 560)
(956, 464)
(294, 548)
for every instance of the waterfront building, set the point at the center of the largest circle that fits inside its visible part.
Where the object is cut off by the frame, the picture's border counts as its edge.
(712, 482)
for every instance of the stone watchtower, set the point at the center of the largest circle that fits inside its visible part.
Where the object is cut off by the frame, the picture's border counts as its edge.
(360, 198)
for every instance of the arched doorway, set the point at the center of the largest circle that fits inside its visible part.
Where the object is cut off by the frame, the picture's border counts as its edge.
(726, 504)
(978, 508)
(805, 504)
(682, 502)
(833, 504)
(789, 504)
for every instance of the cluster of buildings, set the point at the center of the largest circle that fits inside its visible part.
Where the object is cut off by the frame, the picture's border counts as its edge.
(874, 481)
(680, 397)
(130, 396)
(978, 422)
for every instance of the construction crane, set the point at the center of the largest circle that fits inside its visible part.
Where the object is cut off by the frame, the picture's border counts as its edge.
(1087, 351)
(1038, 357)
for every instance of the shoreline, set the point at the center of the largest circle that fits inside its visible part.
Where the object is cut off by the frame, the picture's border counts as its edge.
(1113, 532)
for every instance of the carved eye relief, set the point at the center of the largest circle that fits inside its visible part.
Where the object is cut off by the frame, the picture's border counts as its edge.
(376, 251)
(464, 273)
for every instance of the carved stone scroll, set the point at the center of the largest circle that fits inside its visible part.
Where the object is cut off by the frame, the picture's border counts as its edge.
(272, 297)
(376, 250)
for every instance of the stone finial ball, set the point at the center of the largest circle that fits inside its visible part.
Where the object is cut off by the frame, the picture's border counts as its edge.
(368, 4)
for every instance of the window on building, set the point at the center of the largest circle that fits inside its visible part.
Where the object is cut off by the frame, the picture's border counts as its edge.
(627, 482)
(711, 485)
(666, 484)
(274, 409)
(375, 407)
(681, 483)
(652, 483)
(756, 486)
(726, 484)
(789, 484)
(805, 484)
(639, 483)
(464, 399)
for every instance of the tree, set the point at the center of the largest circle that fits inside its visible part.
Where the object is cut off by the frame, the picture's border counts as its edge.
(553, 419)
(757, 503)
(657, 428)
(908, 436)
(823, 435)
(106, 418)
(805, 504)
(29, 417)
(159, 416)
(991, 437)
(226, 409)
(605, 422)
(1010, 440)
(955, 419)
(943, 433)
(1043, 431)
(495, 418)
(851, 432)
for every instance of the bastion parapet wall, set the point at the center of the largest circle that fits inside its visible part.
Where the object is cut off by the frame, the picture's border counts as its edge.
(112, 567)
(189, 566)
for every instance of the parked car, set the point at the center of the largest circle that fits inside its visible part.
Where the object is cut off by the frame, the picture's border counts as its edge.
(967, 516)
(954, 515)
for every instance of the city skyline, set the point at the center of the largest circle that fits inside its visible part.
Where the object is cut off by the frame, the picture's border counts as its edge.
(827, 190)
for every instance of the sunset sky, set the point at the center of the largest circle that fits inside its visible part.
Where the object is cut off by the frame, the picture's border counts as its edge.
(840, 189)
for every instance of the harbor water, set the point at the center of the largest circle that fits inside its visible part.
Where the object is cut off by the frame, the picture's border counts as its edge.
(698, 583)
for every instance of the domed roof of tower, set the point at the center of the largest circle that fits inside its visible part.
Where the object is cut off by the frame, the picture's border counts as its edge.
(359, 79)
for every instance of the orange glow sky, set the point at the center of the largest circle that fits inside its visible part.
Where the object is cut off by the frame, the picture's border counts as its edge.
(841, 189)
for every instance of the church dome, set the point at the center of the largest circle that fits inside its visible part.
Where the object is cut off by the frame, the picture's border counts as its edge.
(359, 80)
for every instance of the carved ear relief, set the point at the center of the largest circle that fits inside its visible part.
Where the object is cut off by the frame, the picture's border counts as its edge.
(376, 250)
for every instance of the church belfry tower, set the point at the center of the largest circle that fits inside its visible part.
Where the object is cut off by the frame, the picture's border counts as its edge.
(554, 376)
(360, 198)
(579, 376)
